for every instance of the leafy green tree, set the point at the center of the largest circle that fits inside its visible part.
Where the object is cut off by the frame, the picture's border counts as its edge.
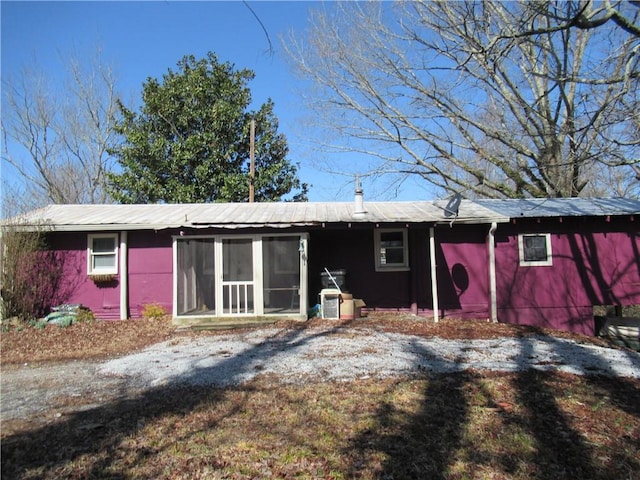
(190, 142)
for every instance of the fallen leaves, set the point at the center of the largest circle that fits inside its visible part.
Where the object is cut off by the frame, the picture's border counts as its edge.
(462, 425)
(81, 341)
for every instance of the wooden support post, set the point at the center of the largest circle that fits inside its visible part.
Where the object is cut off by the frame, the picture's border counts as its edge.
(434, 280)
(252, 159)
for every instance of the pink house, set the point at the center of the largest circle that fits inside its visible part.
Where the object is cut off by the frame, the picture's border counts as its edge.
(536, 262)
(558, 258)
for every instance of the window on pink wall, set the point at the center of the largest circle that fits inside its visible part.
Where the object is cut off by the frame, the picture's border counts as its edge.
(102, 253)
(535, 249)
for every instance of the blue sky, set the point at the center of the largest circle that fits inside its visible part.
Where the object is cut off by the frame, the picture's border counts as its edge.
(144, 39)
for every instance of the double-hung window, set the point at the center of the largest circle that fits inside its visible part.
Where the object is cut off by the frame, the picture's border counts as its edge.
(391, 249)
(102, 253)
(534, 249)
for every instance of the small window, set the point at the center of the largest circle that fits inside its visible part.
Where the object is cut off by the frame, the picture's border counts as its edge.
(103, 254)
(391, 249)
(535, 250)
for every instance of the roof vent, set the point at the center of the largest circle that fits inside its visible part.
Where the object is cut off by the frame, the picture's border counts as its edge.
(359, 200)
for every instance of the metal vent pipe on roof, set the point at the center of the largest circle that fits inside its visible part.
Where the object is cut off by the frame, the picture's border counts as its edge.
(359, 199)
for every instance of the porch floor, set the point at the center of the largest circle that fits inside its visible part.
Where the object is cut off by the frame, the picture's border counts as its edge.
(221, 323)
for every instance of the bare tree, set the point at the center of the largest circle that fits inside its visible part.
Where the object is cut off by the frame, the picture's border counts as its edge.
(57, 139)
(587, 15)
(499, 99)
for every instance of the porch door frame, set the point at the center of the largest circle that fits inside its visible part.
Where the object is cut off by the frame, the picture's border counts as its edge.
(256, 276)
(190, 296)
(258, 284)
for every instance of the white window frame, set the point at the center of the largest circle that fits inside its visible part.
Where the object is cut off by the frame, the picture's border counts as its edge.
(91, 254)
(535, 263)
(394, 267)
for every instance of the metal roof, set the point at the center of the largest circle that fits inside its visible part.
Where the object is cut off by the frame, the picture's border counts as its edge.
(301, 214)
(562, 207)
(243, 215)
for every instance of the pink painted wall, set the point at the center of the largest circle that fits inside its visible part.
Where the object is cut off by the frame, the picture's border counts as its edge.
(150, 270)
(462, 269)
(150, 274)
(103, 300)
(594, 263)
(462, 261)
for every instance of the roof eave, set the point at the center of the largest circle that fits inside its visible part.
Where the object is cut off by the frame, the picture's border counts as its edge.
(92, 227)
(473, 221)
(89, 227)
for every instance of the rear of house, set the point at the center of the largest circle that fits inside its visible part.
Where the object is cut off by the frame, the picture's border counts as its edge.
(510, 261)
(557, 259)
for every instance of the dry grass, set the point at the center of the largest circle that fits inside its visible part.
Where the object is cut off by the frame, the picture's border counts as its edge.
(468, 425)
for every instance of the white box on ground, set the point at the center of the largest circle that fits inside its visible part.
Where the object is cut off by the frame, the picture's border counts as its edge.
(330, 303)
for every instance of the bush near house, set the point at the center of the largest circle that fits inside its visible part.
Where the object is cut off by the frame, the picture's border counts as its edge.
(153, 311)
(30, 275)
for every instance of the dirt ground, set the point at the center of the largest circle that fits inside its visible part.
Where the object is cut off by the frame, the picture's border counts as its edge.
(99, 340)
(51, 371)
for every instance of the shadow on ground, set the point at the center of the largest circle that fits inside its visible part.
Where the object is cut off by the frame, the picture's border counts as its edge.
(426, 427)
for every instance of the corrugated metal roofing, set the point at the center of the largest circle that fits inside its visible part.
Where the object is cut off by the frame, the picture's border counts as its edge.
(242, 215)
(562, 207)
(283, 214)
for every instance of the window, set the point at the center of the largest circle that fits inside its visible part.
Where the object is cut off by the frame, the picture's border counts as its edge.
(535, 250)
(103, 254)
(391, 250)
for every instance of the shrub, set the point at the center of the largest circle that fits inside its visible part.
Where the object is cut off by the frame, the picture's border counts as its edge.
(40, 325)
(153, 311)
(85, 315)
(30, 274)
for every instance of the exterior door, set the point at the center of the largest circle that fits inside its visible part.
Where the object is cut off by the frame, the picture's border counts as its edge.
(195, 280)
(281, 274)
(237, 276)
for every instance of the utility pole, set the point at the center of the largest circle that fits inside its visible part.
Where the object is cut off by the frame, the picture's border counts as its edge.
(252, 161)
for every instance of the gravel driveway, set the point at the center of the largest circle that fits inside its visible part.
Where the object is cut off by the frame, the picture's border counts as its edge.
(323, 354)
(298, 356)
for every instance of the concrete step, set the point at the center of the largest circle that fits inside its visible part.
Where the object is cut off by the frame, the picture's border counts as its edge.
(223, 323)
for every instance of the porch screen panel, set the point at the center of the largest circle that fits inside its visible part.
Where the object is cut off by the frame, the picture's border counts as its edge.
(196, 276)
(281, 274)
(237, 276)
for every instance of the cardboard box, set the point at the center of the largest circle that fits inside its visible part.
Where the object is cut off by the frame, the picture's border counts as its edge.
(358, 303)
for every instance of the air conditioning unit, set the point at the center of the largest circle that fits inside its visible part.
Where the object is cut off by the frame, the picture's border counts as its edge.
(330, 302)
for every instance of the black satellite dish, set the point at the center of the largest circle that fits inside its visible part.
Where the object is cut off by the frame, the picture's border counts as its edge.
(451, 210)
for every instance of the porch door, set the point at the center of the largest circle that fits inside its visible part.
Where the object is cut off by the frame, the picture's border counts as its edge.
(195, 280)
(237, 276)
(281, 274)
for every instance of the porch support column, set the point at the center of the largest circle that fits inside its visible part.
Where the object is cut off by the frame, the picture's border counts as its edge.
(415, 273)
(124, 277)
(434, 280)
(493, 307)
